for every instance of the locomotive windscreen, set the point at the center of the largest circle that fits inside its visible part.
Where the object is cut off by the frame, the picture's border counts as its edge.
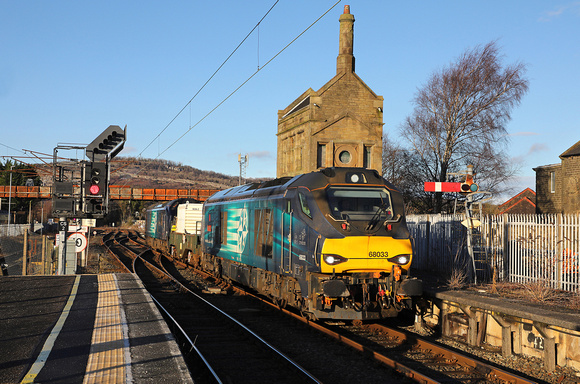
(359, 203)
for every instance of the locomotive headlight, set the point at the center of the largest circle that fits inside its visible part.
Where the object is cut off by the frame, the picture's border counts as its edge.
(333, 259)
(400, 259)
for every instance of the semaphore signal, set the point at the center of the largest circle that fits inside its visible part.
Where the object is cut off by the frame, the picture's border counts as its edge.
(441, 186)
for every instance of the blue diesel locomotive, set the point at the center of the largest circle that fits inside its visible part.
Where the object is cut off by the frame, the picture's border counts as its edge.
(332, 243)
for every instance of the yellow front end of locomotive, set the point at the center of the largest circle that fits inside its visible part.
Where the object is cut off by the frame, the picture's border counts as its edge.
(365, 254)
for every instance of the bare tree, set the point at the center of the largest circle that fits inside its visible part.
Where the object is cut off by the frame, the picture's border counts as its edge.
(402, 167)
(393, 161)
(460, 117)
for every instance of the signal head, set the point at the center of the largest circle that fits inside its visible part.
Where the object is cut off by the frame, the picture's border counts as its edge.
(94, 189)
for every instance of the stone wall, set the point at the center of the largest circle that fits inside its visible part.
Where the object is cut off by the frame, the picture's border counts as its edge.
(546, 200)
(566, 196)
(570, 184)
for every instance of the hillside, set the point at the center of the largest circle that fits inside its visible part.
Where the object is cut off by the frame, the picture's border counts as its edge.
(147, 173)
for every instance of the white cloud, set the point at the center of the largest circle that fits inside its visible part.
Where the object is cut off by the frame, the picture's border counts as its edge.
(537, 147)
(573, 8)
(260, 154)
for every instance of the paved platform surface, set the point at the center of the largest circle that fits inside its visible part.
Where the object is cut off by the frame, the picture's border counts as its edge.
(84, 329)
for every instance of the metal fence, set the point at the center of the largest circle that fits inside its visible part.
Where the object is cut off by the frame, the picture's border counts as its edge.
(12, 248)
(518, 248)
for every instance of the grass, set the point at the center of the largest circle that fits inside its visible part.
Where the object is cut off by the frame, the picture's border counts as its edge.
(536, 292)
(458, 279)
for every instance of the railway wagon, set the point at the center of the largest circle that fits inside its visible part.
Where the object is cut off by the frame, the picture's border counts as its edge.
(175, 227)
(332, 243)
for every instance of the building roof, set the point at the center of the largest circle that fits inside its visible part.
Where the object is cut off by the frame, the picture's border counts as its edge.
(572, 151)
(544, 167)
(523, 202)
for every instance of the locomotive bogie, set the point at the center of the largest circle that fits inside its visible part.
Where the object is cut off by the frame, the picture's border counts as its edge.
(184, 247)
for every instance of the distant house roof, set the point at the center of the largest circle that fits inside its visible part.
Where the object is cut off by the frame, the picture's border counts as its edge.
(523, 202)
(572, 151)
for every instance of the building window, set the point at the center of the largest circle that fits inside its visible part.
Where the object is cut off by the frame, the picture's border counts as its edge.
(344, 157)
(321, 156)
(553, 182)
(367, 157)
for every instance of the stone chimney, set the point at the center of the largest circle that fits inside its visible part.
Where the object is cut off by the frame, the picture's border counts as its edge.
(345, 60)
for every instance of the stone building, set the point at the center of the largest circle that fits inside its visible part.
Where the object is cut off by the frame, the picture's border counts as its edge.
(558, 185)
(339, 125)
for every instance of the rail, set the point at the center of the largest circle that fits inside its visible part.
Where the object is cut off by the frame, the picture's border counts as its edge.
(177, 286)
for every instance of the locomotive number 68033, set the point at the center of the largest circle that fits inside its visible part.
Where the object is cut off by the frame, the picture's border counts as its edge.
(378, 254)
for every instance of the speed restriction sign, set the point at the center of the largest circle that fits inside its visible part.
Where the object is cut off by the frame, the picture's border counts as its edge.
(80, 241)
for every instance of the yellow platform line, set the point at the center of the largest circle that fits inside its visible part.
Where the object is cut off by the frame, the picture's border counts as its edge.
(108, 358)
(49, 343)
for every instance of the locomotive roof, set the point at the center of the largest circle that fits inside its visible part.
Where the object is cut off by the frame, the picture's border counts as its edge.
(313, 180)
(172, 203)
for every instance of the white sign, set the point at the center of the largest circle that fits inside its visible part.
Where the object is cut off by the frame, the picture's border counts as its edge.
(474, 223)
(89, 222)
(80, 241)
(78, 228)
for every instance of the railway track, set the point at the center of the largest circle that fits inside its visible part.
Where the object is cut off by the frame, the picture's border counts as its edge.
(400, 356)
(219, 339)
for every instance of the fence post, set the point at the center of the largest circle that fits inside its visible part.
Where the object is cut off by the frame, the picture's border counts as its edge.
(43, 253)
(559, 247)
(24, 253)
(505, 246)
(428, 236)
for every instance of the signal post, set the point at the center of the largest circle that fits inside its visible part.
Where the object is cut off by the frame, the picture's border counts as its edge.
(81, 189)
(468, 187)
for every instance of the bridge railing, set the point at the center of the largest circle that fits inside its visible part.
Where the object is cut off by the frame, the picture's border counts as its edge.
(116, 192)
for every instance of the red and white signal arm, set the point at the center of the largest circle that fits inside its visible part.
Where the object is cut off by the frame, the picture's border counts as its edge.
(80, 241)
(438, 186)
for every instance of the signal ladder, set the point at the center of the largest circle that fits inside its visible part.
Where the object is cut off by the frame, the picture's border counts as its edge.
(476, 245)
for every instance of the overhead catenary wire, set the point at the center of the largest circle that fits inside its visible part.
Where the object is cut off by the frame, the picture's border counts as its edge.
(210, 78)
(237, 88)
(9, 147)
(249, 78)
(259, 68)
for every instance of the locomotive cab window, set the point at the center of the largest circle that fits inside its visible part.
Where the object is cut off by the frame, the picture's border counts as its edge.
(360, 204)
(304, 205)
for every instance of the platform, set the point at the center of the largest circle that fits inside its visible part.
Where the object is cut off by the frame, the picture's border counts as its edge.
(84, 329)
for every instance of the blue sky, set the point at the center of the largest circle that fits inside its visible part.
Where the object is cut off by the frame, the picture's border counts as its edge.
(69, 69)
